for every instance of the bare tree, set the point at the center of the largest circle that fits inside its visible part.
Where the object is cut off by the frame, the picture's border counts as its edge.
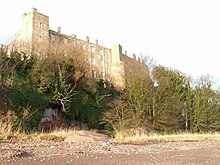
(119, 117)
(65, 96)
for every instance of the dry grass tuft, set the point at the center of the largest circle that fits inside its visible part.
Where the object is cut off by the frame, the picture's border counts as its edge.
(140, 136)
(6, 132)
(58, 135)
(131, 136)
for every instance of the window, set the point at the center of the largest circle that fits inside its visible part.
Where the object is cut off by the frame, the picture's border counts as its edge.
(84, 47)
(93, 73)
(41, 25)
(92, 49)
(102, 61)
(107, 52)
(53, 37)
(65, 41)
(102, 54)
(93, 60)
(103, 75)
(65, 53)
(41, 39)
(102, 51)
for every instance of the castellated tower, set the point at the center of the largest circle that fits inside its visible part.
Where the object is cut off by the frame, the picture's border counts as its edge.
(33, 38)
(117, 73)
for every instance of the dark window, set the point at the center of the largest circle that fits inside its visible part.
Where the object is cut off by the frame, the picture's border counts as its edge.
(93, 73)
(41, 25)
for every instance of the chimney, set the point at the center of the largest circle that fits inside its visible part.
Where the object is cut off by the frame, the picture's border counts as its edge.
(126, 52)
(34, 9)
(23, 15)
(87, 38)
(59, 29)
(96, 42)
(134, 56)
(139, 59)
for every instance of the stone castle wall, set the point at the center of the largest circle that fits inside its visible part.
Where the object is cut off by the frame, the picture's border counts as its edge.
(103, 63)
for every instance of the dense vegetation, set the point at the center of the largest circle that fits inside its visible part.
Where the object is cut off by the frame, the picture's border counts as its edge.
(163, 101)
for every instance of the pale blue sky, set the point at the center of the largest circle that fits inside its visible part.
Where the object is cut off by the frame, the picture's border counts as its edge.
(181, 34)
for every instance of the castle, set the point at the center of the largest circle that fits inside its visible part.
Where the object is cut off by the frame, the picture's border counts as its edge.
(104, 63)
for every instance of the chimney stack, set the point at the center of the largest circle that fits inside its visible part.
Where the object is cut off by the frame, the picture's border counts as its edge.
(134, 56)
(87, 38)
(34, 9)
(59, 29)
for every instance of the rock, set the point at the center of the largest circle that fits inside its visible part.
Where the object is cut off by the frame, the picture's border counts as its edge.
(86, 136)
(78, 139)
(95, 136)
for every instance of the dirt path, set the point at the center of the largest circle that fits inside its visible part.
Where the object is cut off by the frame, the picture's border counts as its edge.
(61, 153)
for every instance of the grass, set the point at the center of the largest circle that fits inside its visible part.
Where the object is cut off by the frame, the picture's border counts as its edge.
(141, 137)
(6, 133)
(131, 136)
(5, 130)
(58, 135)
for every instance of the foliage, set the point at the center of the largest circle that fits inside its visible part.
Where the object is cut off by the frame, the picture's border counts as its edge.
(168, 95)
(155, 99)
(20, 97)
(205, 112)
(138, 97)
(119, 116)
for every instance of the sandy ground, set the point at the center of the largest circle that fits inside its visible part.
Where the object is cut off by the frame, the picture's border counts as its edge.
(62, 153)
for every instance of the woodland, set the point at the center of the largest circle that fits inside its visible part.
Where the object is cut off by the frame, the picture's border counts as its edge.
(165, 101)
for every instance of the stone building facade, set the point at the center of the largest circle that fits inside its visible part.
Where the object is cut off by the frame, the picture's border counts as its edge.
(35, 38)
